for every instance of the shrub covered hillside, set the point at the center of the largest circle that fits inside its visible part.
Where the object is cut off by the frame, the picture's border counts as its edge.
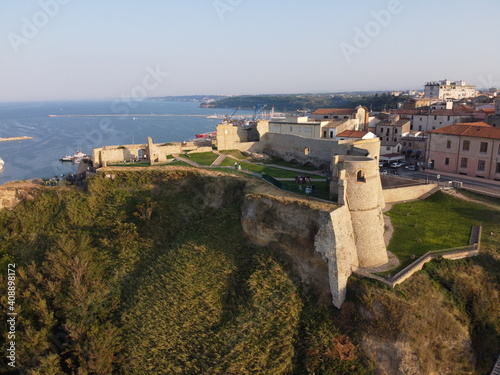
(149, 273)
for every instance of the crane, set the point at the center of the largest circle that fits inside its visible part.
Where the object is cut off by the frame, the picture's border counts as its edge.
(257, 109)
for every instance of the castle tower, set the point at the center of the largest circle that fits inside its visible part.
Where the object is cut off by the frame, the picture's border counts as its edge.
(359, 187)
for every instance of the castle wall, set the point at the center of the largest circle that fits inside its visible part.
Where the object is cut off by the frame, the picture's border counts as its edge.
(304, 150)
(319, 243)
(406, 193)
(360, 189)
(154, 153)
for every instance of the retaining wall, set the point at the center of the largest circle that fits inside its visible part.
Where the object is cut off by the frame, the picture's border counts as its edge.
(406, 193)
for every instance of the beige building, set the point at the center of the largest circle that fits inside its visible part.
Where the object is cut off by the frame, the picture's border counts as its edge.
(471, 149)
(449, 90)
(390, 132)
(360, 113)
(300, 126)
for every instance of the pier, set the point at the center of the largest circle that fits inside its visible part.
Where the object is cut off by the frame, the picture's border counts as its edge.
(22, 138)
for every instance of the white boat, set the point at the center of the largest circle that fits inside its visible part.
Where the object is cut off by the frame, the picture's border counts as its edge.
(76, 158)
(2, 163)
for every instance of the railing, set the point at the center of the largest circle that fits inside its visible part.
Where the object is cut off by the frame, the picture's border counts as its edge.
(466, 251)
(272, 180)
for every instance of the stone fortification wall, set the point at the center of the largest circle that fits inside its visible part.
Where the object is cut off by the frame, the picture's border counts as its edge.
(406, 193)
(361, 191)
(304, 150)
(154, 153)
(319, 243)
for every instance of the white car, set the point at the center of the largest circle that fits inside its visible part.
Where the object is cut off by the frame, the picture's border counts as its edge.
(396, 164)
(383, 171)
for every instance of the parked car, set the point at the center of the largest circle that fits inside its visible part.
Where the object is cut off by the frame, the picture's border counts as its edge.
(396, 164)
(383, 171)
(412, 168)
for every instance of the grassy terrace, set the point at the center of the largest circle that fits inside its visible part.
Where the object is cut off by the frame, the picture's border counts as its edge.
(438, 222)
(321, 189)
(202, 158)
(272, 171)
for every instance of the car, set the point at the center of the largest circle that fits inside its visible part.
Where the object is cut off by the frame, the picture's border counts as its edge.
(380, 165)
(412, 168)
(383, 171)
(396, 164)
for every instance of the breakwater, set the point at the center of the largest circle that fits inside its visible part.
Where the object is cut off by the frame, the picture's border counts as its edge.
(22, 138)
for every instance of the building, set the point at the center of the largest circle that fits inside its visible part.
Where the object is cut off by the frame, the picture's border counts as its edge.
(414, 144)
(354, 134)
(494, 119)
(449, 90)
(471, 149)
(361, 113)
(390, 132)
(297, 125)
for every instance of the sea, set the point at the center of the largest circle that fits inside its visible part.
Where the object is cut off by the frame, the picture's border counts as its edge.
(88, 125)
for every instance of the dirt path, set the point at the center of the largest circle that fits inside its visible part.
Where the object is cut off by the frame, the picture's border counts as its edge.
(459, 195)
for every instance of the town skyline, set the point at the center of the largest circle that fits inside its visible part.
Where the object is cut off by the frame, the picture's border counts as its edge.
(70, 50)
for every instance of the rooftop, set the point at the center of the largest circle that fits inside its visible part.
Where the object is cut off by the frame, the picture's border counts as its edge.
(334, 111)
(352, 134)
(471, 129)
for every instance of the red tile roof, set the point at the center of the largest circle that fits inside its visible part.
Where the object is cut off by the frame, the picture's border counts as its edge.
(334, 111)
(352, 134)
(471, 129)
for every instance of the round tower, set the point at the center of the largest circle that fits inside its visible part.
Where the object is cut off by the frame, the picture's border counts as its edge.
(364, 197)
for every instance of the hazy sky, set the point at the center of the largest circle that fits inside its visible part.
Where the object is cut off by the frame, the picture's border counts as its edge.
(92, 49)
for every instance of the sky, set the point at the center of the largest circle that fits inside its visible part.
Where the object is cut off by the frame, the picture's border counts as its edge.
(95, 49)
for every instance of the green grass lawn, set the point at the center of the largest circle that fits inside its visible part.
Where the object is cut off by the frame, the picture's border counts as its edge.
(272, 171)
(180, 163)
(321, 189)
(202, 158)
(235, 154)
(283, 163)
(438, 222)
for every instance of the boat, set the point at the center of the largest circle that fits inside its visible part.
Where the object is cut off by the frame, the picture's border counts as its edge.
(66, 158)
(75, 158)
(203, 135)
(2, 163)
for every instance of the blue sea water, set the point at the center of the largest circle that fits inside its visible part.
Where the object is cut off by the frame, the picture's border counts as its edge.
(55, 137)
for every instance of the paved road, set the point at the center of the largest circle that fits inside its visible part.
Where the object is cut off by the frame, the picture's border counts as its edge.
(431, 176)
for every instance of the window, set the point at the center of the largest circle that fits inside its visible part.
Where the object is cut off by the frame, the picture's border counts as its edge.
(498, 149)
(395, 131)
(382, 130)
(324, 133)
(361, 176)
(325, 117)
(447, 161)
(466, 145)
(463, 163)
(498, 168)
(484, 147)
(448, 144)
(481, 165)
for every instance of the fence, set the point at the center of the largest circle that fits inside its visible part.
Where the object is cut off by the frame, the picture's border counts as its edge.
(272, 180)
(452, 253)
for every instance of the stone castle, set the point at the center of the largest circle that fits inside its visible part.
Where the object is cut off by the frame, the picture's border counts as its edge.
(349, 236)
